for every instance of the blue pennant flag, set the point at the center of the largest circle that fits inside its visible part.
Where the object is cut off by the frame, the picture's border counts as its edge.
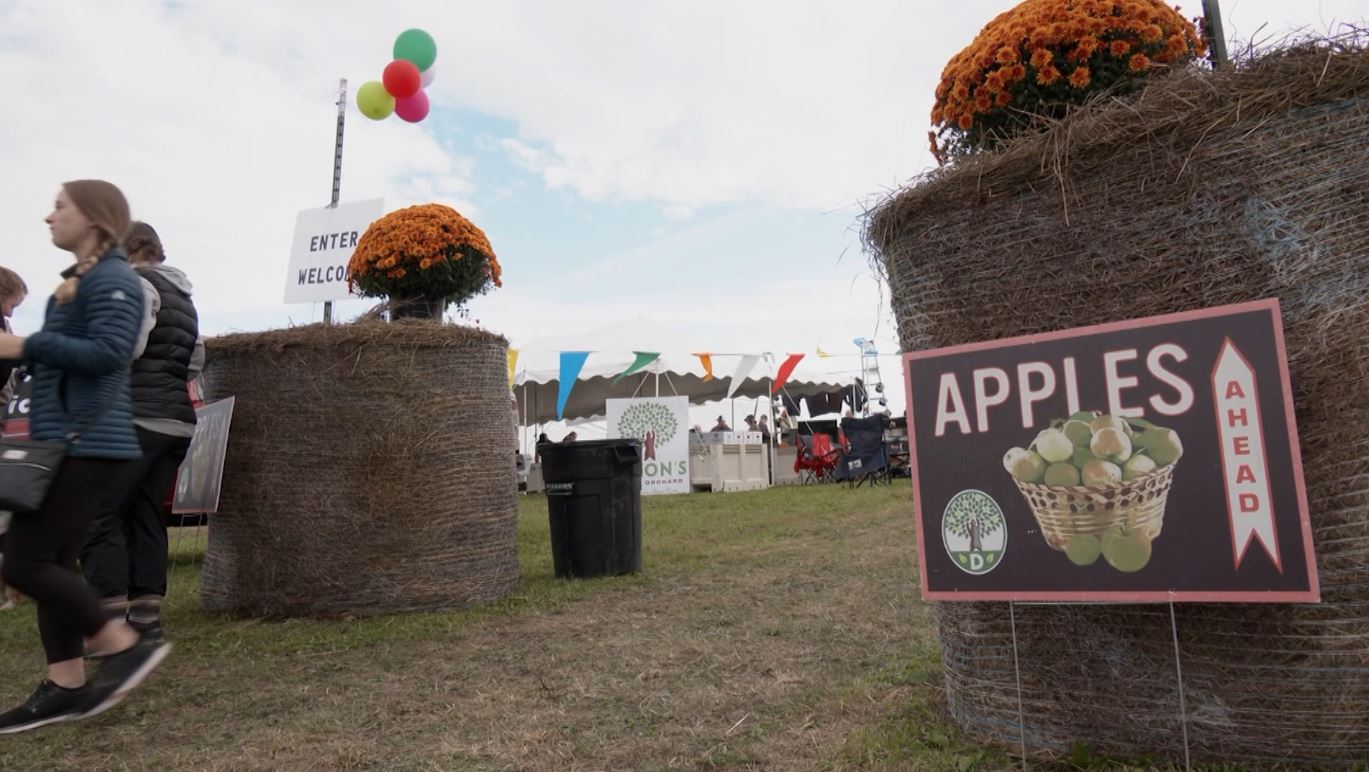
(571, 364)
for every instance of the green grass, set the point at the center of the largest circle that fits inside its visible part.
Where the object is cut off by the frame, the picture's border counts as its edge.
(777, 628)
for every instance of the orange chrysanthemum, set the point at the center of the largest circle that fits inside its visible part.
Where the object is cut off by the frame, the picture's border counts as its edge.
(1015, 65)
(427, 251)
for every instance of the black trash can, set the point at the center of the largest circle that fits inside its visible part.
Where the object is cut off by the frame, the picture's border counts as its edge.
(594, 499)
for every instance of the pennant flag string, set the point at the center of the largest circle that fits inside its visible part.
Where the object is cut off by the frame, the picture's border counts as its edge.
(643, 359)
(786, 370)
(572, 362)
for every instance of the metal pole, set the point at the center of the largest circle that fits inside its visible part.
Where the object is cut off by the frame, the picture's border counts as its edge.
(1179, 673)
(1017, 672)
(337, 171)
(1216, 37)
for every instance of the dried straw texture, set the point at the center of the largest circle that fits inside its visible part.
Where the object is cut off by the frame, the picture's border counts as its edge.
(370, 470)
(1208, 189)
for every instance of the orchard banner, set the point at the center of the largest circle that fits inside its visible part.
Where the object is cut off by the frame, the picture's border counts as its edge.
(1149, 460)
(662, 426)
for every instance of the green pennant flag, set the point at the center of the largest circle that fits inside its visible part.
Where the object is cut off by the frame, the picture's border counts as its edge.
(644, 358)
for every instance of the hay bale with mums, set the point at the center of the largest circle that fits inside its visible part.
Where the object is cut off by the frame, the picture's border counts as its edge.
(370, 465)
(1201, 189)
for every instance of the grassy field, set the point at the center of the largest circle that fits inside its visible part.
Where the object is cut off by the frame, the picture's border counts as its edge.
(777, 629)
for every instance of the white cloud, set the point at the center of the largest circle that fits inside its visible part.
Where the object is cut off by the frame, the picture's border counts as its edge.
(217, 117)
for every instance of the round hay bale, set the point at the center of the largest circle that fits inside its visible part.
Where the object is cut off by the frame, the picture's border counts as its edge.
(370, 470)
(1208, 189)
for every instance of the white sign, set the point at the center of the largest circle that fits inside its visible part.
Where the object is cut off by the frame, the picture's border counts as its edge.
(324, 241)
(662, 425)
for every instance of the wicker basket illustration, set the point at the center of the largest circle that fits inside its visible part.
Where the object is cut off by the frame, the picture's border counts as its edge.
(1067, 510)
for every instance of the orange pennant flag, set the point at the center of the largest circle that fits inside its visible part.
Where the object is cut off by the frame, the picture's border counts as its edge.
(707, 360)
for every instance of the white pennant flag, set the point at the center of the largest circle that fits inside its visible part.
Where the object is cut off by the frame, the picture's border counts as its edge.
(744, 369)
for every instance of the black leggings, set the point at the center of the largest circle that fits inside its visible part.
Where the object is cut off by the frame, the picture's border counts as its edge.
(41, 550)
(125, 555)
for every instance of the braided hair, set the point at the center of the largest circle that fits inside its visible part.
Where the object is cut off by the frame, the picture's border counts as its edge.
(105, 206)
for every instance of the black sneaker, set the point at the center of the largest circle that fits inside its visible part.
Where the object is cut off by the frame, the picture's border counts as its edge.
(121, 673)
(49, 704)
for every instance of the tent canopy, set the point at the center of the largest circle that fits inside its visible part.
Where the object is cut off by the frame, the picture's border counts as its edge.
(537, 400)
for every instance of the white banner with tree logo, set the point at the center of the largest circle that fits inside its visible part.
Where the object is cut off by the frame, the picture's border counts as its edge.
(662, 426)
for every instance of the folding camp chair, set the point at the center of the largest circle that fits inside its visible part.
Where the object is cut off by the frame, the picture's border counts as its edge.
(815, 459)
(867, 460)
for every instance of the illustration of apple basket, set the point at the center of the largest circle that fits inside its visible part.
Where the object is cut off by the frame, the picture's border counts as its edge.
(1097, 485)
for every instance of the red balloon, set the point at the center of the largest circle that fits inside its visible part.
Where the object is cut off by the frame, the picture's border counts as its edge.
(402, 79)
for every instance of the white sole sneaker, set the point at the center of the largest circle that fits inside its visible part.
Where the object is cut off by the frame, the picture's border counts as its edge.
(131, 682)
(50, 720)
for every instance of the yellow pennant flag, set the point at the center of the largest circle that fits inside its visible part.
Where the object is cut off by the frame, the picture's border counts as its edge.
(513, 365)
(822, 353)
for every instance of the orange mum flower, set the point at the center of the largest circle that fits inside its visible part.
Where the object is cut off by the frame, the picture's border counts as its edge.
(448, 257)
(1034, 38)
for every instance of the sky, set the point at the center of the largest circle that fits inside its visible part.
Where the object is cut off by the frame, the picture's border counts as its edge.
(653, 175)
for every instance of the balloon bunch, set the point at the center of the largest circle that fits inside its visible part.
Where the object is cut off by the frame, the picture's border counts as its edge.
(400, 88)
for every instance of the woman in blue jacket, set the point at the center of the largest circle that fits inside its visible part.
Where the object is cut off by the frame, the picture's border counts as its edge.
(80, 363)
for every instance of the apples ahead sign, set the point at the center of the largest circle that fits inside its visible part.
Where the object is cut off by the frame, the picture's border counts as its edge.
(1149, 460)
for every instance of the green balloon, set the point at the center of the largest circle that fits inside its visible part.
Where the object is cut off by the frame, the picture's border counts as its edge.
(374, 101)
(416, 46)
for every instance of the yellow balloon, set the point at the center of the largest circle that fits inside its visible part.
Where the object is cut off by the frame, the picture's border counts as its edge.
(374, 101)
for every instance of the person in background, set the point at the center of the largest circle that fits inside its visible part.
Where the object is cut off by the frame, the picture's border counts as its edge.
(125, 557)
(542, 439)
(13, 291)
(80, 361)
(721, 426)
(786, 425)
(570, 437)
(763, 426)
(750, 422)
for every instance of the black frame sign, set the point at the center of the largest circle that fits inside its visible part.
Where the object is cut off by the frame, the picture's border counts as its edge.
(1149, 460)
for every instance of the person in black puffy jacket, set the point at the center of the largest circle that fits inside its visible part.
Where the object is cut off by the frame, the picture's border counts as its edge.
(79, 362)
(125, 557)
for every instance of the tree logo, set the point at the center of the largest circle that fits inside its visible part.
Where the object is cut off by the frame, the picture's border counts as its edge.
(974, 531)
(650, 422)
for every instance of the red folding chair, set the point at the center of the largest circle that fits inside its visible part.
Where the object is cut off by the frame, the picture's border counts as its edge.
(816, 459)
